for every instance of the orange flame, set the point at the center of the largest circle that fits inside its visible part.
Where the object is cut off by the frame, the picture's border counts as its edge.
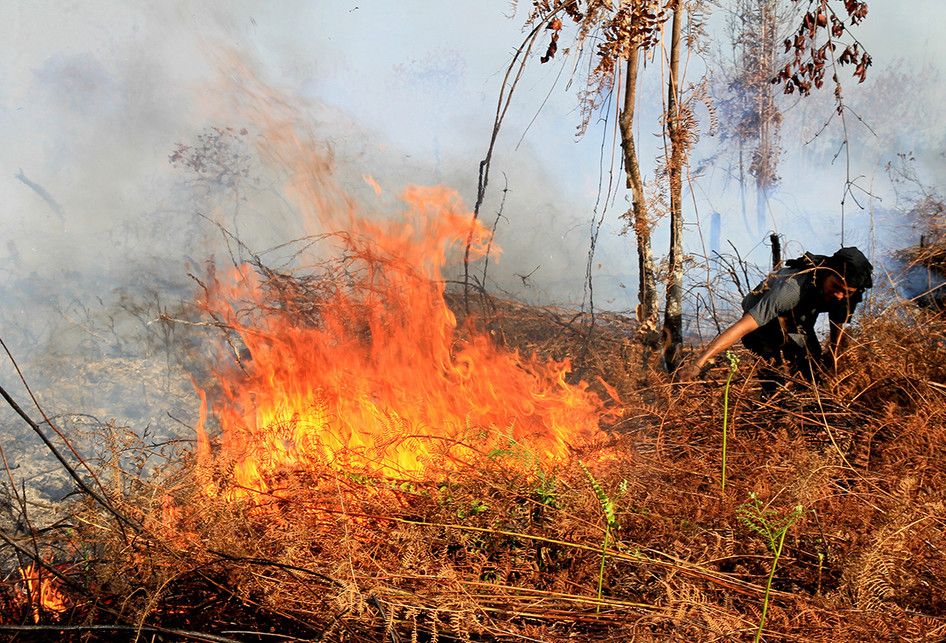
(378, 380)
(43, 590)
(381, 383)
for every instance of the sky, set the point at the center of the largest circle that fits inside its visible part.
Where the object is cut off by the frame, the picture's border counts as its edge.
(95, 95)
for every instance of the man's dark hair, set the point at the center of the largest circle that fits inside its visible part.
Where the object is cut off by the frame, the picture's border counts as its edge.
(852, 266)
(848, 263)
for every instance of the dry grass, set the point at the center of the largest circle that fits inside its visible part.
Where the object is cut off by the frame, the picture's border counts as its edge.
(508, 550)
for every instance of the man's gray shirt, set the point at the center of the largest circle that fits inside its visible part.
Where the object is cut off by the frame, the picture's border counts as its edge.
(778, 294)
(792, 295)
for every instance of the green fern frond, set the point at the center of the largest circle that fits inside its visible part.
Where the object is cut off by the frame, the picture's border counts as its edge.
(607, 505)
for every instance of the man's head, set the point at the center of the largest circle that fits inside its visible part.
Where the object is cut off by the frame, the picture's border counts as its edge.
(849, 273)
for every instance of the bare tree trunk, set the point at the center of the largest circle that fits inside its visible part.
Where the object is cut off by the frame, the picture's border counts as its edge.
(673, 314)
(647, 309)
(741, 14)
(765, 108)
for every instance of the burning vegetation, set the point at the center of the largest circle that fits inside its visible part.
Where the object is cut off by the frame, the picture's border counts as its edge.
(381, 457)
(376, 462)
(361, 368)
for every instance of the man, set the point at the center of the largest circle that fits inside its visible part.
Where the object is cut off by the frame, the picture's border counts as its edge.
(780, 313)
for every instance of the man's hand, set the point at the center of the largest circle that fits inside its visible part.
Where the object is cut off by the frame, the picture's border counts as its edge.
(691, 371)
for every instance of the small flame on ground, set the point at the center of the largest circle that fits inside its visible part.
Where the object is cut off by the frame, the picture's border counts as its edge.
(43, 590)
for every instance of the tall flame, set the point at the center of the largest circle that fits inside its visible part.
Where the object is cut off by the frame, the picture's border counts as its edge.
(380, 382)
(376, 379)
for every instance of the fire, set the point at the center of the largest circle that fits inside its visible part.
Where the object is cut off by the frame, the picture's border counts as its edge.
(43, 590)
(367, 372)
(379, 382)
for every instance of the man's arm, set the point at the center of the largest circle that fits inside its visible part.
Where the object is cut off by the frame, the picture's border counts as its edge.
(724, 340)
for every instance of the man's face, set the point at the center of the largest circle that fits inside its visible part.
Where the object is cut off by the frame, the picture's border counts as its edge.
(835, 289)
